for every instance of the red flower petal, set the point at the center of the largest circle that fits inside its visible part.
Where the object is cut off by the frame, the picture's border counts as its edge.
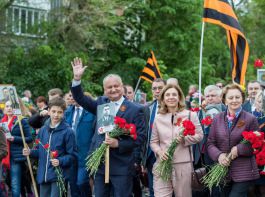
(46, 146)
(37, 141)
(54, 154)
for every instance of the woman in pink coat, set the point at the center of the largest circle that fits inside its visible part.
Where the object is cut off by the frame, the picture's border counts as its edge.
(166, 129)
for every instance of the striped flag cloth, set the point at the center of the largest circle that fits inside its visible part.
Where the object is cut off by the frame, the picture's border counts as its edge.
(151, 70)
(221, 13)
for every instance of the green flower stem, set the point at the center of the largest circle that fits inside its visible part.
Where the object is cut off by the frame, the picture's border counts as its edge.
(60, 181)
(97, 157)
(215, 176)
(94, 160)
(164, 168)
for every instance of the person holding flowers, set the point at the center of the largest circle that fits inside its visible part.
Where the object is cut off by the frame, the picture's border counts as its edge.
(224, 144)
(259, 105)
(56, 150)
(121, 148)
(14, 159)
(174, 124)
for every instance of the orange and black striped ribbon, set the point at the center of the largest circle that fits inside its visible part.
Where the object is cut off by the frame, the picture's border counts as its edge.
(151, 70)
(221, 13)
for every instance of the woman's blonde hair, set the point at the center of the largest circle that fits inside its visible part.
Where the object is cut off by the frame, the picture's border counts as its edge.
(232, 87)
(181, 103)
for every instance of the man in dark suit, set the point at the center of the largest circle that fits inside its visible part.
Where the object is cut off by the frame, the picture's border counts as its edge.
(252, 88)
(149, 156)
(82, 123)
(121, 150)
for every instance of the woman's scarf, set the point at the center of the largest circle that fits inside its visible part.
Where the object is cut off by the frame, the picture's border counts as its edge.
(6, 160)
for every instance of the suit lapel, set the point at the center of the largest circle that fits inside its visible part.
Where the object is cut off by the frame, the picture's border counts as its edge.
(122, 108)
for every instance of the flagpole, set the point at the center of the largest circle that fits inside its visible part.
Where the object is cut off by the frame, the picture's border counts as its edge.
(200, 66)
(137, 86)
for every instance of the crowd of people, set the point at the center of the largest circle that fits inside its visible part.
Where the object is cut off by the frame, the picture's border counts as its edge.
(69, 124)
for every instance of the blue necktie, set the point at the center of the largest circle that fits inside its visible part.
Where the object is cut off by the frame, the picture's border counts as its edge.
(76, 118)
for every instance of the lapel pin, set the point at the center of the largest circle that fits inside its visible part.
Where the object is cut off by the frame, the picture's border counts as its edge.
(123, 108)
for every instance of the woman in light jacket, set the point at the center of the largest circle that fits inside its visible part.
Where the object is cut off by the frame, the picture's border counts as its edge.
(165, 130)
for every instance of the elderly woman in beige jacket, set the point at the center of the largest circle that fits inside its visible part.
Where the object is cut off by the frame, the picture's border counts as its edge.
(165, 129)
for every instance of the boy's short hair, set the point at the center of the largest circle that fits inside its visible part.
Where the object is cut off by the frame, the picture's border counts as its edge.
(58, 102)
(55, 91)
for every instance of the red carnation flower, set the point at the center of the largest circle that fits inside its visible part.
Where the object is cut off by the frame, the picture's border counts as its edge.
(37, 141)
(257, 144)
(262, 173)
(260, 158)
(258, 63)
(195, 109)
(127, 128)
(207, 121)
(46, 146)
(120, 122)
(54, 154)
(249, 136)
(189, 128)
(179, 120)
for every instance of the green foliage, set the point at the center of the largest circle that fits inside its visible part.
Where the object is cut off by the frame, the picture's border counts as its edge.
(42, 68)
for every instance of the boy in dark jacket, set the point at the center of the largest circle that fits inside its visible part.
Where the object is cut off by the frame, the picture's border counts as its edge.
(58, 136)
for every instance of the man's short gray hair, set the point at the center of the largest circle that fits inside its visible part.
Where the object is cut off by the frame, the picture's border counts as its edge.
(210, 88)
(112, 76)
(173, 81)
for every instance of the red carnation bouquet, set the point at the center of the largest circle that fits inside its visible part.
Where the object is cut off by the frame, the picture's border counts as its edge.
(164, 168)
(59, 173)
(258, 144)
(207, 121)
(218, 172)
(122, 128)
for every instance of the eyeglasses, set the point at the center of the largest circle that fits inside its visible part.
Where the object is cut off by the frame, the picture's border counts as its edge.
(157, 88)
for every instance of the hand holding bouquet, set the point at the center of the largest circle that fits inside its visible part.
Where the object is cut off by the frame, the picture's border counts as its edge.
(55, 162)
(218, 172)
(164, 168)
(121, 128)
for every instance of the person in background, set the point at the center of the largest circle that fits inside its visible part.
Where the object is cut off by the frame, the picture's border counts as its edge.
(224, 139)
(37, 120)
(3, 153)
(173, 81)
(15, 160)
(253, 87)
(42, 104)
(190, 96)
(213, 97)
(258, 190)
(129, 93)
(68, 98)
(165, 129)
(82, 123)
(3, 146)
(55, 93)
(152, 109)
(27, 97)
(220, 85)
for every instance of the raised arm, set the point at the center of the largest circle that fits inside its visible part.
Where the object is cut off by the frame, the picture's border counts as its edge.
(86, 102)
(78, 68)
